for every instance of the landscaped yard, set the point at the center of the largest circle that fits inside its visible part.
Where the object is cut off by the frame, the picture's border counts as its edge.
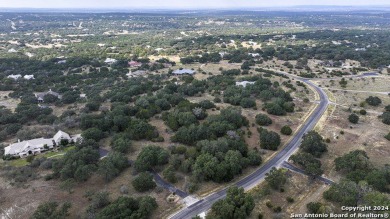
(51, 154)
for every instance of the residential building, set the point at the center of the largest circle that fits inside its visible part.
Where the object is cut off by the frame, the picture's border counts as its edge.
(135, 64)
(183, 72)
(38, 145)
(40, 96)
(110, 61)
(15, 77)
(28, 77)
(244, 83)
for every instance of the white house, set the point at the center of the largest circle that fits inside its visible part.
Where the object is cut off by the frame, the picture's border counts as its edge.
(244, 83)
(29, 77)
(183, 71)
(15, 77)
(38, 145)
(110, 61)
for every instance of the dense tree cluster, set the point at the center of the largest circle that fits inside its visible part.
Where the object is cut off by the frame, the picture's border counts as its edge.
(237, 204)
(149, 157)
(77, 164)
(357, 167)
(112, 165)
(50, 210)
(314, 144)
(308, 162)
(269, 140)
(144, 182)
(263, 120)
(276, 178)
(129, 207)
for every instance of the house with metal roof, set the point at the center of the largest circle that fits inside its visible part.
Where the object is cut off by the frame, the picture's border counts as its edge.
(183, 72)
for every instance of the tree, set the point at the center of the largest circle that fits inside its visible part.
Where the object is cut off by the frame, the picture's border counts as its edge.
(50, 98)
(346, 193)
(386, 118)
(314, 144)
(121, 144)
(93, 133)
(48, 210)
(286, 130)
(77, 164)
(247, 102)
(353, 118)
(276, 178)
(144, 182)
(269, 140)
(314, 207)
(169, 174)
(149, 157)
(373, 101)
(128, 207)
(93, 106)
(237, 204)
(354, 160)
(112, 165)
(263, 120)
(311, 165)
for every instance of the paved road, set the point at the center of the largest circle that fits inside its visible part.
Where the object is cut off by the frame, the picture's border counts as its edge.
(157, 178)
(256, 177)
(298, 170)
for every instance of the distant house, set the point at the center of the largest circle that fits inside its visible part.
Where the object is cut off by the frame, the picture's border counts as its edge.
(29, 77)
(38, 145)
(135, 64)
(15, 77)
(61, 62)
(12, 50)
(183, 72)
(40, 96)
(244, 83)
(136, 73)
(254, 55)
(110, 61)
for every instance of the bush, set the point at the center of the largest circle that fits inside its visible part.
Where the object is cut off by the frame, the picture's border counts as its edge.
(263, 120)
(388, 136)
(373, 101)
(290, 199)
(353, 118)
(363, 112)
(386, 118)
(144, 182)
(269, 140)
(286, 130)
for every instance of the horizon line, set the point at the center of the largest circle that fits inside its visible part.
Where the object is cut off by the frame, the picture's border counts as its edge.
(197, 8)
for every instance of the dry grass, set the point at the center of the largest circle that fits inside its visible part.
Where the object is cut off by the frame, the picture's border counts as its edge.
(299, 187)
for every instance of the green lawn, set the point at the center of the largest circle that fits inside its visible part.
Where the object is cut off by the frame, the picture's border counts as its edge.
(52, 154)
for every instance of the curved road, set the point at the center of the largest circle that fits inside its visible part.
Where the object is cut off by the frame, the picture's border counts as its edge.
(253, 179)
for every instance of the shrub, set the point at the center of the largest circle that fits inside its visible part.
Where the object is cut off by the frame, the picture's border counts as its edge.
(144, 182)
(353, 118)
(363, 112)
(388, 136)
(286, 130)
(263, 120)
(373, 101)
(290, 199)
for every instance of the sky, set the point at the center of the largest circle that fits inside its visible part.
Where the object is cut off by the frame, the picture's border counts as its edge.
(172, 4)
